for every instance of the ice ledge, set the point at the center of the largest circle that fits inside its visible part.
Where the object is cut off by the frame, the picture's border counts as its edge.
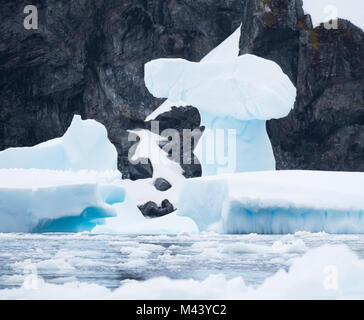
(276, 202)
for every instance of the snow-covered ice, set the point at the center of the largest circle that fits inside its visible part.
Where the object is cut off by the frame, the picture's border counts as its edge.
(276, 202)
(71, 184)
(133, 222)
(34, 200)
(245, 88)
(84, 146)
(148, 148)
(325, 10)
(228, 49)
(65, 184)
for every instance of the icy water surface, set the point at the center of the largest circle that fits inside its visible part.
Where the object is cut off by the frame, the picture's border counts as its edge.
(107, 259)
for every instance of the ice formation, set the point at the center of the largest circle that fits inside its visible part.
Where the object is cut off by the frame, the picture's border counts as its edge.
(34, 200)
(276, 202)
(148, 148)
(85, 146)
(325, 10)
(71, 184)
(235, 97)
(61, 185)
(228, 49)
(131, 221)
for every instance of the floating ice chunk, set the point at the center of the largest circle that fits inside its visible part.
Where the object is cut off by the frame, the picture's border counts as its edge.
(85, 146)
(63, 185)
(276, 202)
(33, 200)
(327, 272)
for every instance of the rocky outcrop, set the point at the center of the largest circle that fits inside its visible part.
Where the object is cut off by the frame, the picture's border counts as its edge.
(185, 120)
(143, 169)
(152, 210)
(162, 184)
(325, 130)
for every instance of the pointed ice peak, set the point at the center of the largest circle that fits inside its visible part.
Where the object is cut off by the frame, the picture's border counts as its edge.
(229, 49)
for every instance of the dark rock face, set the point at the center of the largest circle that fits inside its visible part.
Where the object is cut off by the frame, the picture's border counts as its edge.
(142, 170)
(152, 210)
(186, 120)
(88, 58)
(325, 130)
(162, 184)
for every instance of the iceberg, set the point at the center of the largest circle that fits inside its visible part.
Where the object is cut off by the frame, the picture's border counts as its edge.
(71, 184)
(84, 146)
(276, 202)
(235, 97)
(34, 200)
(62, 185)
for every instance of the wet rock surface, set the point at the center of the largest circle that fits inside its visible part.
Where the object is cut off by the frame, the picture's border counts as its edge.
(152, 210)
(141, 170)
(162, 184)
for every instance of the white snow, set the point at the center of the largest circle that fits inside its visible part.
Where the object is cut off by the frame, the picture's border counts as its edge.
(327, 272)
(39, 178)
(276, 202)
(85, 146)
(133, 222)
(326, 10)
(148, 148)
